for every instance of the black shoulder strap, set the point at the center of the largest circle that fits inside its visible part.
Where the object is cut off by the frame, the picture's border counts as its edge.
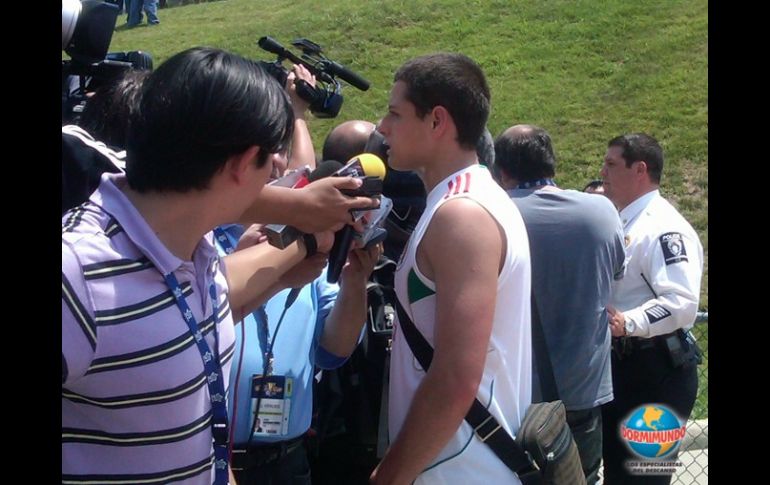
(485, 425)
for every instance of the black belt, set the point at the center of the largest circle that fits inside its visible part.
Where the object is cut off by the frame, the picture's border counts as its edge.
(628, 345)
(262, 454)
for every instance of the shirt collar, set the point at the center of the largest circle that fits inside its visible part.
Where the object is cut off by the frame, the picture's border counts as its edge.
(109, 196)
(443, 188)
(632, 210)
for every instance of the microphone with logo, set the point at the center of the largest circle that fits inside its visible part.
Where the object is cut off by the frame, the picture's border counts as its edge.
(372, 169)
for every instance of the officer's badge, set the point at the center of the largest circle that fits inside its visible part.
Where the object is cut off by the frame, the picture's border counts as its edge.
(672, 244)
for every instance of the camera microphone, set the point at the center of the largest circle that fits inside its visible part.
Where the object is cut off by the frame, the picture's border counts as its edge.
(372, 168)
(345, 74)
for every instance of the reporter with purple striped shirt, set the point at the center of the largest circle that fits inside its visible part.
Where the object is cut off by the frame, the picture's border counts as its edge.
(147, 304)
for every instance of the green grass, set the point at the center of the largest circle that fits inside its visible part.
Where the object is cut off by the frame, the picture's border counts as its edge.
(585, 70)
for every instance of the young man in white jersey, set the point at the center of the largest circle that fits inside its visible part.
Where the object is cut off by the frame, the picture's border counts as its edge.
(464, 280)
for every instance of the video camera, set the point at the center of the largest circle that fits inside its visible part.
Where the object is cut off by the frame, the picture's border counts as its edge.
(325, 100)
(87, 28)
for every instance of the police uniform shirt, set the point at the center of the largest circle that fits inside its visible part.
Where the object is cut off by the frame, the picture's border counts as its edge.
(663, 249)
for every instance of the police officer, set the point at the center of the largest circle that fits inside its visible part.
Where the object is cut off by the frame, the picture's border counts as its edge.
(654, 305)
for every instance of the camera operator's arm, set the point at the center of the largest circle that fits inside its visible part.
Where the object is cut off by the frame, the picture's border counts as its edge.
(319, 206)
(302, 152)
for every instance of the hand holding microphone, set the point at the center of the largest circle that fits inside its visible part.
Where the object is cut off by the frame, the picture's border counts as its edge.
(372, 169)
(326, 191)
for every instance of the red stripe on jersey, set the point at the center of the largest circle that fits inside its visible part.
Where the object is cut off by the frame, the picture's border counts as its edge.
(449, 191)
(457, 186)
(467, 182)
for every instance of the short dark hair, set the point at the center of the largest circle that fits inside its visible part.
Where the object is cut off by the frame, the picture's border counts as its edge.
(594, 184)
(526, 156)
(198, 109)
(453, 81)
(109, 111)
(640, 146)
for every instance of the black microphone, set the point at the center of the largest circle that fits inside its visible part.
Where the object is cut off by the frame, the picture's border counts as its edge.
(325, 169)
(345, 74)
(281, 235)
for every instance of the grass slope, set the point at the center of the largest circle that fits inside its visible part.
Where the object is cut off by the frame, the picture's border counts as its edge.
(585, 70)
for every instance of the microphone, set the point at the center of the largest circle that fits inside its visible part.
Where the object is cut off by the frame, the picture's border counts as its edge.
(345, 74)
(372, 168)
(281, 235)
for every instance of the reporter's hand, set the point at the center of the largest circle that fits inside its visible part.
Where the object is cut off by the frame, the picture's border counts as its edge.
(252, 236)
(326, 208)
(324, 241)
(304, 272)
(361, 263)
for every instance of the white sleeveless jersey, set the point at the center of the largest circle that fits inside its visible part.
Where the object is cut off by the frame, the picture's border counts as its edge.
(506, 386)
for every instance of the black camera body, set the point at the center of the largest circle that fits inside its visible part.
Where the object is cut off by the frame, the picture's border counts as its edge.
(325, 98)
(87, 29)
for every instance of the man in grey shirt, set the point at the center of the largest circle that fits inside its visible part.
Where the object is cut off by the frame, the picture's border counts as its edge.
(576, 245)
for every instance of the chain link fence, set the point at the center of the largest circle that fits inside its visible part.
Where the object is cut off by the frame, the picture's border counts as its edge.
(694, 453)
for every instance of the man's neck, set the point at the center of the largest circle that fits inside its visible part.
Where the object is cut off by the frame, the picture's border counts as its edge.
(442, 168)
(639, 195)
(179, 220)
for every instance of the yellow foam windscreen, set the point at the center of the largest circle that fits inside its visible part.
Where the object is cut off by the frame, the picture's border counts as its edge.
(372, 165)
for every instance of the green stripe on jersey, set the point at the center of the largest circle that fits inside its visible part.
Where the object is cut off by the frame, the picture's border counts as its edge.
(416, 288)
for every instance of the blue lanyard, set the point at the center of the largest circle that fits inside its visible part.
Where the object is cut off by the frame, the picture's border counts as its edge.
(536, 183)
(214, 377)
(223, 240)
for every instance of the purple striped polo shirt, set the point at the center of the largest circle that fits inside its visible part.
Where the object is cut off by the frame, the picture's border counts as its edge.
(135, 403)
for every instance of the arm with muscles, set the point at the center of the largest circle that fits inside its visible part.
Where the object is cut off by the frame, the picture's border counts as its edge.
(302, 152)
(318, 206)
(674, 285)
(466, 294)
(343, 325)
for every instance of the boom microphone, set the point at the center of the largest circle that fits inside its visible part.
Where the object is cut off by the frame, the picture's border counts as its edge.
(346, 74)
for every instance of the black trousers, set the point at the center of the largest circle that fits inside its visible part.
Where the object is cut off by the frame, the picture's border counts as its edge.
(644, 377)
(586, 427)
(292, 468)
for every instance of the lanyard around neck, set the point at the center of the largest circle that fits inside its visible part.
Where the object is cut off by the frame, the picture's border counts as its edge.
(213, 372)
(223, 240)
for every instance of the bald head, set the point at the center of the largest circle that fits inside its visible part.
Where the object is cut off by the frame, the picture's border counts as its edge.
(525, 153)
(347, 140)
(520, 131)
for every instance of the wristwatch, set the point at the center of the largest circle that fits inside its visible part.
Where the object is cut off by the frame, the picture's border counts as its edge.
(629, 326)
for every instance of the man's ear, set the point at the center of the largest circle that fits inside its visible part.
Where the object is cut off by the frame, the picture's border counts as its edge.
(441, 119)
(641, 168)
(241, 163)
